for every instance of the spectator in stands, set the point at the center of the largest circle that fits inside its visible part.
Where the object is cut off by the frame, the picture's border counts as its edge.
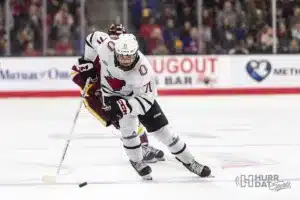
(207, 30)
(29, 50)
(155, 40)
(167, 14)
(147, 28)
(286, 9)
(64, 47)
(239, 48)
(191, 42)
(240, 31)
(34, 21)
(63, 22)
(296, 31)
(283, 38)
(295, 18)
(227, 14)
(294, 46)
(160, 48)
(151, 33)
(226, 35)
(266, 39)
(170, 33)
(251, 45)
(187, 16)
(24, 36)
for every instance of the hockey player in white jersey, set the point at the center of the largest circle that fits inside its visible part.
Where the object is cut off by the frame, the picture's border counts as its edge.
(89, 67)
(129, 93)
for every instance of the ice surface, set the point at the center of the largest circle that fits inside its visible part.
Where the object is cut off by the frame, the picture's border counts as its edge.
(234, 135)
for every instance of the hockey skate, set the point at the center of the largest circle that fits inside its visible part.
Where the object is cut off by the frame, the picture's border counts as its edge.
(152, 152)
(197, 168)
(142, 169)
(148, 155)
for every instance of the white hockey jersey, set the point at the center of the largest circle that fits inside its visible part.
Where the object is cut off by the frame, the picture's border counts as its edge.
(80, 72)
(92, 42)
(137, 85)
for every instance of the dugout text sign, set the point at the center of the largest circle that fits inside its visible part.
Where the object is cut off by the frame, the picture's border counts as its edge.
(190, 72)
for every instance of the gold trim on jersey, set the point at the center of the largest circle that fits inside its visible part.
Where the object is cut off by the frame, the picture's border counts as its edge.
(73, 74)
(91, 110)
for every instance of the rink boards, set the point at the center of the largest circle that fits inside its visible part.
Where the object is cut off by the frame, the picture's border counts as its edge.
(176, 75)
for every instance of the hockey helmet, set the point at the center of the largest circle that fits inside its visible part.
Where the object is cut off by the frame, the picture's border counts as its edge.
(115, 30)
(126, 51)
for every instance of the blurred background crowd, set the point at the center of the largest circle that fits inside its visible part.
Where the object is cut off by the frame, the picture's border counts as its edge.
(26, 25)
(163, 26)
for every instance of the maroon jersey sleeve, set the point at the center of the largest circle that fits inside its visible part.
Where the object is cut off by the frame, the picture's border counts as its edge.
(84, 70)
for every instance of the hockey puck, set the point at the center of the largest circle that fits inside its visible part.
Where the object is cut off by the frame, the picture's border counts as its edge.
(82, 184)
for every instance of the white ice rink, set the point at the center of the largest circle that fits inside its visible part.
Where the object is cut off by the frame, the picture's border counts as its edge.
(233, 135)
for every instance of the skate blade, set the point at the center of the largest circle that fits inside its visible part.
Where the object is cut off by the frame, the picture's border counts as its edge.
(147, 177)
(161, 159)
(154, 160)
(210, 176)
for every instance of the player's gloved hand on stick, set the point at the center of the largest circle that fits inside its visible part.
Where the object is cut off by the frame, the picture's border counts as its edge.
(86, 68)
(114, 123)
(116, 107)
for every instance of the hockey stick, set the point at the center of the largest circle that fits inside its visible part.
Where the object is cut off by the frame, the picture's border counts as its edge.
(52, 179)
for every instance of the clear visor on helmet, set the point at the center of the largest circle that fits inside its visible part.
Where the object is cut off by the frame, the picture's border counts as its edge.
(126, 60)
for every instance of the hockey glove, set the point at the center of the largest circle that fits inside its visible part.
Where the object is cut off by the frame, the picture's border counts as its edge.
(114, 123)
(116, 107)
(82, 71)
(87, 69)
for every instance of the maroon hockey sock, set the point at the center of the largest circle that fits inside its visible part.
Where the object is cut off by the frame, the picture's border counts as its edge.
(144, 138)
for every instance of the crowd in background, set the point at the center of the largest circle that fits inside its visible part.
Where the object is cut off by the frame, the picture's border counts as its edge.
(162, 26)
(227, 27)
(25, 23)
